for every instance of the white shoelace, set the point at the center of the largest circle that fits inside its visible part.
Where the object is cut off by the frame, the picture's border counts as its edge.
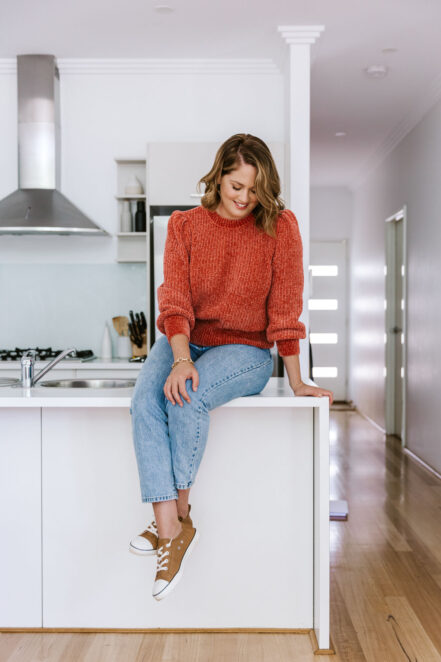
(152, 528)
(162, 559)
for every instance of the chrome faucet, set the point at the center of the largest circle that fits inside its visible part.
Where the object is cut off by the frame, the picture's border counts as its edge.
(28, 362)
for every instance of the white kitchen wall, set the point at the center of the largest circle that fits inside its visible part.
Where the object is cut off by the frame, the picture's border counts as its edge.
(66, 305)
(104, 116)
(409, 174)
(331, 213)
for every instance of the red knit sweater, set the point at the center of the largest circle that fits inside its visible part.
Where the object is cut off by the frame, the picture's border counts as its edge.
(227, 282)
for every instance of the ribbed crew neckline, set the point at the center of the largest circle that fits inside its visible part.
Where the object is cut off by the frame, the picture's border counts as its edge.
(232, 222)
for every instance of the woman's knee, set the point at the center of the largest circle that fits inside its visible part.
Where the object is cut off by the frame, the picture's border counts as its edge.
(196, 403)
(148, 390)
(244, 381)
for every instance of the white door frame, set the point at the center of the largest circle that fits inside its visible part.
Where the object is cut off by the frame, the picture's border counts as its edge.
(389, 392)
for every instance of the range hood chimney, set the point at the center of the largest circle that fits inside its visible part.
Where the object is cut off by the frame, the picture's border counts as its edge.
(37, 206)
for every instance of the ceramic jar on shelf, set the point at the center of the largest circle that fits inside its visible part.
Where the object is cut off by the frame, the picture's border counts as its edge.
(133, 186)
(126, 217)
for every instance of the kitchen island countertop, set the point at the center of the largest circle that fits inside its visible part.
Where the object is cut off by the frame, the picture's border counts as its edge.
(68, 475)
(277, 393)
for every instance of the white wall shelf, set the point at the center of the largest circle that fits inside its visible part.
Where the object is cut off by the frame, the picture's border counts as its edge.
(132, 246)
(130, 197)
(131, 234)
(126, 161)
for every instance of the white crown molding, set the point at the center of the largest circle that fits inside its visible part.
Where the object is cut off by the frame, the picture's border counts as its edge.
(155, 66)
(300, 34)
(167, 66)
(399, 132)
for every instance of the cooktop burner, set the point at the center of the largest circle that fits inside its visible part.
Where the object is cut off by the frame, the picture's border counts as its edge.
(43, 354)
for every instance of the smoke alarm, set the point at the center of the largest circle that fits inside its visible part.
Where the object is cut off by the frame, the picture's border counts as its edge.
(163, 9)
(376, 71)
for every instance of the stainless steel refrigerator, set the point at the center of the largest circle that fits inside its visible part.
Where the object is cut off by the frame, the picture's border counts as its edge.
(159, 237)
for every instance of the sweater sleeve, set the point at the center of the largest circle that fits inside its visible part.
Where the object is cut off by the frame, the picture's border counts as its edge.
(285, 299)
(176, 313)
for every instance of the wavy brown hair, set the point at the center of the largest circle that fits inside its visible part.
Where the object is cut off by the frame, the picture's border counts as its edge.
(240, 149)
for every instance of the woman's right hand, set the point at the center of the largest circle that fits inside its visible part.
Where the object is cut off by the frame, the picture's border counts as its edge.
(175, 382)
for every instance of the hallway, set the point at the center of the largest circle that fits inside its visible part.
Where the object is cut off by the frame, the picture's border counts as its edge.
(386, 559)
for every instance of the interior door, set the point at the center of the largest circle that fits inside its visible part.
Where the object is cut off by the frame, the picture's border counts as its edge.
(395, 326)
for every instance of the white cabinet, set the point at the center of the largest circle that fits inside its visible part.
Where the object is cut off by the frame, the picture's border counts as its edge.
(92, 508)
(20, 516)
(174, 169)
(71, 502)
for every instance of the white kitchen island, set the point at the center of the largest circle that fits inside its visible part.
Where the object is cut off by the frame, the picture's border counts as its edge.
(70, 503)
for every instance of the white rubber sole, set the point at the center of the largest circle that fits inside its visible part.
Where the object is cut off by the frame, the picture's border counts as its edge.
(141, 552)
(171, 585)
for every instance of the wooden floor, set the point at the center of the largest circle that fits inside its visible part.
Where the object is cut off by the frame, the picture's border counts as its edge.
(385, 575)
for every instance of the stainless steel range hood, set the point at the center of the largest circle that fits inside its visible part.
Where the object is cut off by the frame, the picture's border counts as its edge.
(38, 207)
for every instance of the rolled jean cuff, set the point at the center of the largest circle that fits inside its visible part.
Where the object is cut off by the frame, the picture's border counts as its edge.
(153, 499)
(184, 486)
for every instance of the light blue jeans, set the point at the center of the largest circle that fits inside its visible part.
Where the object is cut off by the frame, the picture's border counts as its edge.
(169, 439)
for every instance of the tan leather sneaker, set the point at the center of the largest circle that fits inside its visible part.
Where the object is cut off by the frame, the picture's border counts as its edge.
(146, 543)
(172, 555)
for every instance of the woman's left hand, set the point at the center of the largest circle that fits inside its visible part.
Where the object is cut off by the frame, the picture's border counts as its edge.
(315, 391)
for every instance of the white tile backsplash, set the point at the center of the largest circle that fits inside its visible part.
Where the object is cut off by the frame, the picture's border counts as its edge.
(63, 305)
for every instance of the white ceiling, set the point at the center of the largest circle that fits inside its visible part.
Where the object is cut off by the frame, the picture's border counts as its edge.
(375, 114)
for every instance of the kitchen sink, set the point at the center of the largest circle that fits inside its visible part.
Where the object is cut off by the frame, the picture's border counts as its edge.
(88, 383)
(9, 381)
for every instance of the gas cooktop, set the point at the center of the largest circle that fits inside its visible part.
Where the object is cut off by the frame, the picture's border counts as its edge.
(44, 354)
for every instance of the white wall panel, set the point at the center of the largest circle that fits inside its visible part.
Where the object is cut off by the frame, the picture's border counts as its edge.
(409, 174)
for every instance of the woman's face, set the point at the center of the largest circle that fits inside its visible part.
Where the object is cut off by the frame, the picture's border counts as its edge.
(237, 192)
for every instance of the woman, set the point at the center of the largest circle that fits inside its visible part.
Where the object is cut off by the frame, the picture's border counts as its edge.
(233, 284)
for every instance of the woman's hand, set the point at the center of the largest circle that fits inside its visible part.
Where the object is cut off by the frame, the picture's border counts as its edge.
(175, 382)
(315, 391)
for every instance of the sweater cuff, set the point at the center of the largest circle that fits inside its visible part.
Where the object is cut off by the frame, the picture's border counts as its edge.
(176, 324)
(288, 347)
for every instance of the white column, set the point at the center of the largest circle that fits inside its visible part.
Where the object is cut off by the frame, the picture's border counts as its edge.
(298, 78)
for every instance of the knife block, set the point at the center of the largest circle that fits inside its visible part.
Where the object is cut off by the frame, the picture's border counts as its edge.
(140, 351)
